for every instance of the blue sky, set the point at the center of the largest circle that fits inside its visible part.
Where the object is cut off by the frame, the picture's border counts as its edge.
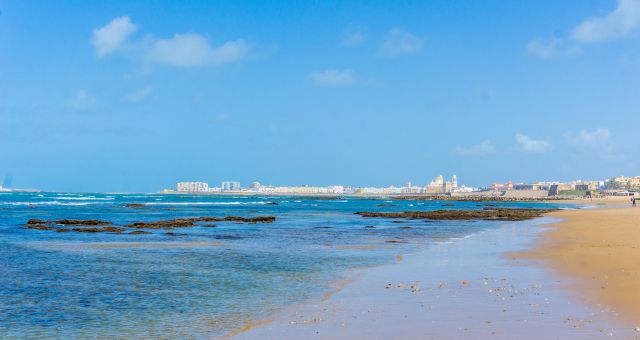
(136, 95)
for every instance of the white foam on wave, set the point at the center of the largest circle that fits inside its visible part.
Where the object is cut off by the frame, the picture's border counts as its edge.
(204, 203)
(88, 198)
(50, 203)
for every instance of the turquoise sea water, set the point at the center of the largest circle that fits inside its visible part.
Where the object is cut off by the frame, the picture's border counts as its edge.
(198, 285)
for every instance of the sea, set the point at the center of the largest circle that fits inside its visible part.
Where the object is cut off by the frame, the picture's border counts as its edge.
(197, 282)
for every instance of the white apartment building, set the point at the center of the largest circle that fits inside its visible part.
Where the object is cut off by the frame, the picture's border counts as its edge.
(230, 186)
(192, 187)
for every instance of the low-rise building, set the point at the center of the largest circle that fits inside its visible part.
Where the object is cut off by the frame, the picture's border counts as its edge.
(192, 187)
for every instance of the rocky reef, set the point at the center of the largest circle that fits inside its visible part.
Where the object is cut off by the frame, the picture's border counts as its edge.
(90, 226)
(498, 214)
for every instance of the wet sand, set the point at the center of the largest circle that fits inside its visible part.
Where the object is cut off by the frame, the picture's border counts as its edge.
(599, 249)
(463, 289)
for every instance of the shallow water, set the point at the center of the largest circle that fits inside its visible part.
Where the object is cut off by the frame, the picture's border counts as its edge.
(62, 285)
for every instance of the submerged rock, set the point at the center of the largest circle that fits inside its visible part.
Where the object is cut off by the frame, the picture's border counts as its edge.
(68, 222)
(138, 232)
(38, 227)
(134, 205)
(92, 230)
(498, 214)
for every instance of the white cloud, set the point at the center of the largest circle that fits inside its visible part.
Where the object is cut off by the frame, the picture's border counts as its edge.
(399, 42)
(527, 144)
(140, 94)
(110, 38)
(192, 50)
(484, 148)
(82, 101)
(598, 139)
(353, 36)
(623, 20)
(333, 77)
(551, 48)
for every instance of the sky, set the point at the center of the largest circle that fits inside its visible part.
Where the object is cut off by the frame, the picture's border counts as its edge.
(138, 95)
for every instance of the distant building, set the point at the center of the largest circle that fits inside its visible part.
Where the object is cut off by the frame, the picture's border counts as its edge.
(192, 187)
(440, 186)
(230, 186)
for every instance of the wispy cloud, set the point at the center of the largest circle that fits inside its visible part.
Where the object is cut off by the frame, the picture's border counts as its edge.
(181, 50)
(111, 37)
(398, 42)
(82, 101)
(353, 35)
(551, 48)
(192, 50)
(333, 77)
(622, 21)
(528, 144)
(482, 149)
(140, 94)
(596, 140)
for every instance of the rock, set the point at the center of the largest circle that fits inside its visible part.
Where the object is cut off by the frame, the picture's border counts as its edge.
(174, 234)
(138, 232)
(271, 203)
(405, 227)
(38, 226)
(499, 214)
(36, 221)
(80, 222)
(92, 230)
(396, 241)
(370, 227)
(322, 227)
(134, 205)
(385, 205)
(167, 224)
(209, 225)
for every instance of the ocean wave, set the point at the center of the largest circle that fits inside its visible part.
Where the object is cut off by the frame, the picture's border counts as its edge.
(204, 203)
(50, 203)
(87, 198)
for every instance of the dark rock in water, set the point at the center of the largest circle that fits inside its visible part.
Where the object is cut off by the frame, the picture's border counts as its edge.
(81, 222)
(134, 205)
(138, 232)
(322, 227)
(97, 230)
(167, 224)
(385, 205)
(498, 214)
(174, 234)
(191, 222)
(405, 227)
(257, 219)
(209, 225)
(36, 221)
(396, 221)
(63, 230)
(370, 227)
(271, 203)
(228, 237)
(38, 226)
(396, 241)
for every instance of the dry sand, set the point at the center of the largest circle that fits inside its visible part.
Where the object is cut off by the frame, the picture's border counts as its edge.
(600, 250)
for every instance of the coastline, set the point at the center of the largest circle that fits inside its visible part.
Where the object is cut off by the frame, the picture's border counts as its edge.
(598, 252)
(463, 288)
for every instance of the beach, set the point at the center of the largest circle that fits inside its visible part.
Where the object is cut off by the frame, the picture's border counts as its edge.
(572, 274)
(599, 251)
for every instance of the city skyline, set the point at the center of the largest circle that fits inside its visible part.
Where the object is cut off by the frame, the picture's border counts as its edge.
(120, 98)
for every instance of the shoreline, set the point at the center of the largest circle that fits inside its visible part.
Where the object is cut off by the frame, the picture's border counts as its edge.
(598, 252)
(463, 288)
